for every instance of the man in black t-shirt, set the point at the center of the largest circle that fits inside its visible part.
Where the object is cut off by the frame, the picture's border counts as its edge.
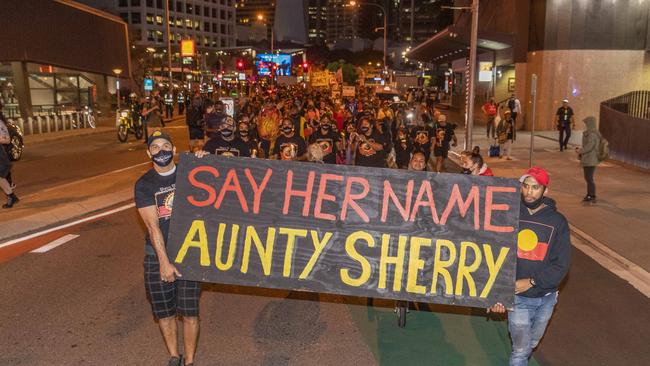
(564, 122)
(369, 145)
(226, 142)
(289, 146)
(444, 134)
(244, 133)
(422, 136)
(327, 139)
(169, 295)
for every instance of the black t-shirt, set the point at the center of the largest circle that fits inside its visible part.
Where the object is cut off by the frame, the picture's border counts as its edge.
(421, 137)
(366, 156)
(153, 189)
(403, 150)
(327, 142)
(442, 142)
(564, 115)
(285, 147)
(218, 146)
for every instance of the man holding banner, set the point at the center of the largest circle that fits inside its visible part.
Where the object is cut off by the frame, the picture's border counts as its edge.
(543, 256)
(169, 295)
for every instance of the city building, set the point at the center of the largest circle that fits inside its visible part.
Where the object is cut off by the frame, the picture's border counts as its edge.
(317, 21)
(210, 23)
(70, 60)
(584, 51)
(252, 11)
(342, 24)
(291, 21)
(421, 17)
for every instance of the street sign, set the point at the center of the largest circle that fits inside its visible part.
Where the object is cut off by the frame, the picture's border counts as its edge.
(348, 230)
(148, 84)
(187, 48)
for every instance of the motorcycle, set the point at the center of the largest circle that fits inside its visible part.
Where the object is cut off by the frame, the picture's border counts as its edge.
(15, 146)
(127, 124)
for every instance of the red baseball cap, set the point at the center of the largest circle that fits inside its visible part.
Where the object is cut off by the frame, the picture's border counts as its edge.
(539, 174)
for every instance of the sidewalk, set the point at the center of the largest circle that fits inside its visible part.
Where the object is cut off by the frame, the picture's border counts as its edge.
(621, 216)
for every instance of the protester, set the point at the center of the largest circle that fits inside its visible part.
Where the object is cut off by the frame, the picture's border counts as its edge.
(226, 142)
(418, 162)
(194, 121)
(169, 295)
(289, 146)
(515, 106)
(5, 167)
(473, 164)
(505, 134)
(444, 134)
(490, 111)
(591, 140)
(543, 257)
(564, 122)
(369, 145)
(244, 134)
(403, 148)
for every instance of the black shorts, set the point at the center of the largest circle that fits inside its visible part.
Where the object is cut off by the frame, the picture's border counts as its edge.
(170, 298)
(196, 133)
(440, 151)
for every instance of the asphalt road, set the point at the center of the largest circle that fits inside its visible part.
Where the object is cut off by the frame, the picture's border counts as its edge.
(83, 303)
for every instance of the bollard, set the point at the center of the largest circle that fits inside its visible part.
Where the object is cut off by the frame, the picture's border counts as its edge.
(30, 123)
(40, 123)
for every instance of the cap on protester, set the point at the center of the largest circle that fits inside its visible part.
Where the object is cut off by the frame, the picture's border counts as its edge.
(158, 135)
(539, 174)
(565, 101)
(442, 118)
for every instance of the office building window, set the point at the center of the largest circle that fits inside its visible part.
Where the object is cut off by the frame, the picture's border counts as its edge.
(150, 35)
(206, 26)
(123, 3)
(214, 12)
(188, 23)
(179, 22)
(188, 8)
(223, 29)
(214, 27)
(159, 20)
(197, 25)
(197, 10)
(135, 2)
(222, 14)
(125, 16)
(150, 3)
(159, 4)
(149, 18)
(135, 18)
(206, 11)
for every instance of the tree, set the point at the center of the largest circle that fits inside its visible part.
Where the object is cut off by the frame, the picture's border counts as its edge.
(349, 71)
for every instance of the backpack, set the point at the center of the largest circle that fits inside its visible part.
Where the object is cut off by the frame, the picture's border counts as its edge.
(603, 149)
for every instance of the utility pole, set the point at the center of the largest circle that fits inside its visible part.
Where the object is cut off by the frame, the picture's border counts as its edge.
(533, 95)
(412, 21)
(169, 43)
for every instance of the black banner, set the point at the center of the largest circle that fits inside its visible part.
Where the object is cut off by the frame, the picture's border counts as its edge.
(396, 234)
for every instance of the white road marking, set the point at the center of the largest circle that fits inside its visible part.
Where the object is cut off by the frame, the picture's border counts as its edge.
(87, 179)
(55, 243)
(612, 261)
(76, 222)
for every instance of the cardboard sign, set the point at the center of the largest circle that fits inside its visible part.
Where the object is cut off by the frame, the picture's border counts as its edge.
(349, 91)
(319, 79)
(395, 234)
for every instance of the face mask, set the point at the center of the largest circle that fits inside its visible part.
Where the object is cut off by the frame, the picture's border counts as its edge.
(325, 127)
(243, 133)
(287, 130)
(364, 129)
(466, 171)
(535, 204)
(163, 158)
(226, 132)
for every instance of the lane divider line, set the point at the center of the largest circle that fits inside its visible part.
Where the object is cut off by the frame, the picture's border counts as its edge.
(76, 222)
(55, 243)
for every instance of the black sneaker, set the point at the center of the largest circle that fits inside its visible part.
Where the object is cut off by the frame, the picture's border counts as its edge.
(175, 361)
(589, 198)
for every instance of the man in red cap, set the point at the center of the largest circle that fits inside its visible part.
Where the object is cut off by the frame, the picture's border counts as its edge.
(543, 257)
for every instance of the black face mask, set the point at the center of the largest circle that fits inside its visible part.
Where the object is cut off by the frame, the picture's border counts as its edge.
(466, 171)
(287, 130)
(163, 158)
(226, 132)
(535, 204)
(364, 129)
(326, 127)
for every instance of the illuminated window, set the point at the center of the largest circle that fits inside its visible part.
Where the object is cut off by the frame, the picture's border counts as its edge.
(149, 18)
(159, 20)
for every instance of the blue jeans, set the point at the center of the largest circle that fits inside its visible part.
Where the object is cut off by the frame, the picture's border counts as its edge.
(527, 323)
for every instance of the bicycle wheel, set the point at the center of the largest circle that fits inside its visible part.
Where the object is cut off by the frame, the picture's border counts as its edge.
(122, 132)
(91, 121)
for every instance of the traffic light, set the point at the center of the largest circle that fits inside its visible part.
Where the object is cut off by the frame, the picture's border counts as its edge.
(305, 66)
(240, 64)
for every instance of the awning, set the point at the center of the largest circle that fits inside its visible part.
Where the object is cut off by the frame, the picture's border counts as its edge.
(452, 43)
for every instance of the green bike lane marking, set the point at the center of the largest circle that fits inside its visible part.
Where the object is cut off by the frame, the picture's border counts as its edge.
(434, 335)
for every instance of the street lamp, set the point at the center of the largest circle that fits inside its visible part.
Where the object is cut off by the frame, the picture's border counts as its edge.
(117, 73)
(383, 10)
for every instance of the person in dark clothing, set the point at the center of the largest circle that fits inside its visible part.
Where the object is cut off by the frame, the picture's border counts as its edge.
(370, 145)
(564, 122)
(5, 167)
(289, 146)
(225, 142)
(403, 148)
(543, 258)
(194, 120)
(444, 135)
(327, 139)
(422, 135)
(244, 133)
(169, 294)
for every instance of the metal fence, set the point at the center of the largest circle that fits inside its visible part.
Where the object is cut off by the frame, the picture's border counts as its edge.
(625, 123)
(635, 103)
(46, 121)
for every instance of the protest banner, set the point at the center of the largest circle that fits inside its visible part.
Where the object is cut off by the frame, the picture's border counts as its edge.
(319, 79)
(349, 91)
(395, 234)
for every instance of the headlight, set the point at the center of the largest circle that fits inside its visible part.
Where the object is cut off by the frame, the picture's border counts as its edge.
(124, 114)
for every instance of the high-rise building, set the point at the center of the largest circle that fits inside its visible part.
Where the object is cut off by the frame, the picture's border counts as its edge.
(427, 17)
(210, 23)
(252, 11)
(317, 21)
(342, 21)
